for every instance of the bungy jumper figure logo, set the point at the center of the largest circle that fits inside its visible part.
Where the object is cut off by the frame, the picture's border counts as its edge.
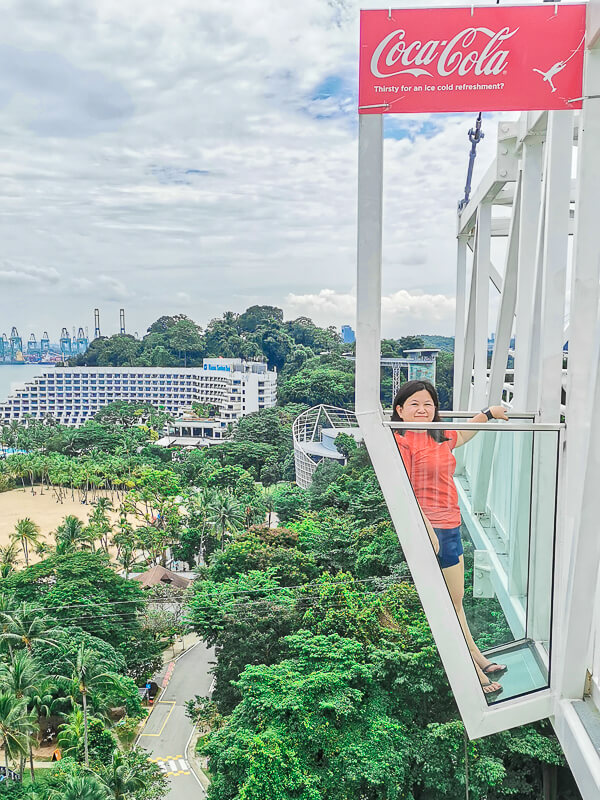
(473, 50)
(550, 73)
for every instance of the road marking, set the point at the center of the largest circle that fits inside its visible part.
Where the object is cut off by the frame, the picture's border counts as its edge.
(173, 766)
(193, 771)
(183, 764)
(162, 766)
(159, 759)
(166, 703)
(168, 675)
(185, 652)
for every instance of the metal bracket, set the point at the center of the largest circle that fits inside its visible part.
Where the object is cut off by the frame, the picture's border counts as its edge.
(482, 575)
(507, 162)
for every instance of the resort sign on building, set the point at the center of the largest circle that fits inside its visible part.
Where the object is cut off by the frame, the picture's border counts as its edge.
(493, 58)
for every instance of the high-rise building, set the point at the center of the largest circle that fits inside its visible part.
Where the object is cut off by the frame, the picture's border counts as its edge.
(348, 335)
(73, 395)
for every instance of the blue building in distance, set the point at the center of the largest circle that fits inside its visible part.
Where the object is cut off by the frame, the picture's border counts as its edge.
(348, 335)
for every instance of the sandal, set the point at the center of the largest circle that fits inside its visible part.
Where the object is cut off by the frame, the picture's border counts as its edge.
(485, 686)
(494, 669)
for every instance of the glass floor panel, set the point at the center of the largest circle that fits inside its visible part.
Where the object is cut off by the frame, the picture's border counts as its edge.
(525, 673)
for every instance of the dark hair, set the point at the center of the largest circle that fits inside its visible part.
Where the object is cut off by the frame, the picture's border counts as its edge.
(407, 390)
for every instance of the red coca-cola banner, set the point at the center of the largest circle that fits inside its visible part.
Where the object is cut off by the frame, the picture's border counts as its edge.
(492, 58)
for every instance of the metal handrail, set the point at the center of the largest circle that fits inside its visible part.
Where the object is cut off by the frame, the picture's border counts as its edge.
(469, 414)
(473, 426)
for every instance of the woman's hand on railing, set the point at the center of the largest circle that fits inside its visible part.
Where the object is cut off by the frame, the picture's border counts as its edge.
(499, 412)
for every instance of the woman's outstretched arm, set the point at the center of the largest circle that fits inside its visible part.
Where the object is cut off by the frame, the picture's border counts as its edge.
(497, 412)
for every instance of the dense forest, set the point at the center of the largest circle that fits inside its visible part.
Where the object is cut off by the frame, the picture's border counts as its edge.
(328, 685)
(310, 360)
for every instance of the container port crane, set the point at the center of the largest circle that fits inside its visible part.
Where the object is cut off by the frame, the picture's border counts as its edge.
(66, 347)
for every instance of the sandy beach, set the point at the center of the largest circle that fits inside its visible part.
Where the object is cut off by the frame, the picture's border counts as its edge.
(43, 510)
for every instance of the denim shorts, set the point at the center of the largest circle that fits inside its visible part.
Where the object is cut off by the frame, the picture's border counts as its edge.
(450, 546)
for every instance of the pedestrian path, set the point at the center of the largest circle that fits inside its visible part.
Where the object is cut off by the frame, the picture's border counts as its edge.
(172, 765)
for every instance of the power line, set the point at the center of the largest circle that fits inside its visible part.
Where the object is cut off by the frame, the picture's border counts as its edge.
(217, 595)
(239, 606)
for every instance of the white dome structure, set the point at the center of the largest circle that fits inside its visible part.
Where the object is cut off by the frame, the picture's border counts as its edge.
(314, 433)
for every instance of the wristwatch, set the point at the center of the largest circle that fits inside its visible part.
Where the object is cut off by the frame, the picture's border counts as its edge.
(487, 412)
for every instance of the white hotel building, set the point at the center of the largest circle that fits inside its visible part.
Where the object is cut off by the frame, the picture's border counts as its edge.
(73, 395)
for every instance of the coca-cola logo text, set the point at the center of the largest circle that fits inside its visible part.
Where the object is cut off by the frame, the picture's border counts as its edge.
(460, 55)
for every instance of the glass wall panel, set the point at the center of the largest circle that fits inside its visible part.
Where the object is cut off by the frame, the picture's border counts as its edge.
(488, 498)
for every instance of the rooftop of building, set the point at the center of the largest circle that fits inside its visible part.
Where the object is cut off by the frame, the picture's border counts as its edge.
(158, 575)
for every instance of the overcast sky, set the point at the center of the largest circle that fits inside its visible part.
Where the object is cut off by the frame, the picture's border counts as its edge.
(197, 156)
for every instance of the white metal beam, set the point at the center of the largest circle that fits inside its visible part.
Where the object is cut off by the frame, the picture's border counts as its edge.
(533, 364)
(460, 315)
(464, 387)
(506, 311)
(482, 289)
(579, 749)
(554, 265)
(495, 277)
(530, 215)
(370, 215)
(501, 227)
(581, 540)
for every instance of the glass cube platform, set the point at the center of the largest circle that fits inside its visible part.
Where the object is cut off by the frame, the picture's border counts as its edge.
(525, 674)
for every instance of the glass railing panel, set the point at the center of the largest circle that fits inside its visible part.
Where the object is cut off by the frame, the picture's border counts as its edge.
(488, 494)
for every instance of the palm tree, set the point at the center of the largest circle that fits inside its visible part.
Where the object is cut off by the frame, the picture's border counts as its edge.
(10, 434)
(16, 725)
(125, 540)
(70, 733)
(197, 504)
(43, 704)
(80, 787)
(99, 521)
(9, 558)
(25, 625)
(225, 513)
(26, 533)
(120, 778)
(85, 677)
(69, 534)
(21, 677)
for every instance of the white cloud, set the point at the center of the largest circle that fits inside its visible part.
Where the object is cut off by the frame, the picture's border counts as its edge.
(112, 289)
(151, 145)
(19, 273)
(402, 312)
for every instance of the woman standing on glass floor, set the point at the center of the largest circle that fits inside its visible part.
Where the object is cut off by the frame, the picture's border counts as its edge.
(430, 464)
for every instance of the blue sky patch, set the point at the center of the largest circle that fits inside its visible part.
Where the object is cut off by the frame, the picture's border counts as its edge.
(399, 126)
(332, 86)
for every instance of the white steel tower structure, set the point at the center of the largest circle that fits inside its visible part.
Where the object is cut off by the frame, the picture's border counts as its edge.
(528, 488)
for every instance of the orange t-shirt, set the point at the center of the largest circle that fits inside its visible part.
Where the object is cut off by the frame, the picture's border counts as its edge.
(430, 466)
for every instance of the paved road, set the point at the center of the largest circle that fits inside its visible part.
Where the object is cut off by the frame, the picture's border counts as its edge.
(168, 730)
